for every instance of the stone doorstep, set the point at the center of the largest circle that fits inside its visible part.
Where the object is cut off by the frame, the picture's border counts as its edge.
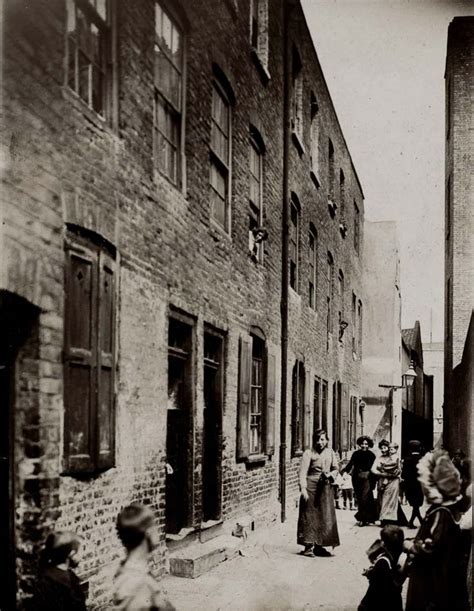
(198, 558)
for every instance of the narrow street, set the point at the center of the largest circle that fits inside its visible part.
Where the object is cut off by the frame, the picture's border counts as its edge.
(272, 574)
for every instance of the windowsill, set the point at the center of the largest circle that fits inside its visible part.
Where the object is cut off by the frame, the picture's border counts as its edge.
(297, 454)
(157, 175)
(256, 260)
(92, 473)
(294, 292)
(298, 143)
(97, 120)
(217, 231)
(255, 459)
(261, 68)
(315, 178)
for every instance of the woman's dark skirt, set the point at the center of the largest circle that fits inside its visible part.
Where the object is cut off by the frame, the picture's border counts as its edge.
(317, 516)
(366, 506)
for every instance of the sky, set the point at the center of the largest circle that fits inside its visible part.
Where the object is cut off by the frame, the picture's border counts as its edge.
(384, 62)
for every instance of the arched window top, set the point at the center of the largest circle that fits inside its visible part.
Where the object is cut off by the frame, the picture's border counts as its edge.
(341, 175)
(314, 106)
(224, 83)
(258, 332)
(295, 200)
(257, 138)
(313, 230)
(341, 275)
(92, 236)
(331, 147)
(330, 258)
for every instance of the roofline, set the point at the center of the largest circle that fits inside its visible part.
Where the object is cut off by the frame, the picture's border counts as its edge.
(330, 98)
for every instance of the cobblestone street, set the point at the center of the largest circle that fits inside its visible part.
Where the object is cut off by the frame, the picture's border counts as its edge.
(271, 575)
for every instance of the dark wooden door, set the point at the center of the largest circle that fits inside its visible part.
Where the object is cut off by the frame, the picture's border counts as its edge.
(212, 442)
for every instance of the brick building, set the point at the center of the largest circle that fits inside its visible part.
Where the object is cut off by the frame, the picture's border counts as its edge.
(459, 222)
(154, 207)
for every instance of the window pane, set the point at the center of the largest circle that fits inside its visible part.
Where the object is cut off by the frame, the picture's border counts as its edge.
(84, 72)
(176, 49)
(166, 34)
(158, 20)
(79, 405)
(97, 90)
(101, 7)
(71, 17)
(175, 87)
(71, 72)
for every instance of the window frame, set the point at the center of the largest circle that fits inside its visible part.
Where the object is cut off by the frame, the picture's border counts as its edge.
(107, 56)
(219, 165)
(257, 148)
(356, 228)
(88, 246)
(313, 268)
(298, 412)
(174, 113)
(294, 232)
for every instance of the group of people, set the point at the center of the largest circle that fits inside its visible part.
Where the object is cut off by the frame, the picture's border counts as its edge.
(58, 587)
(437, 561)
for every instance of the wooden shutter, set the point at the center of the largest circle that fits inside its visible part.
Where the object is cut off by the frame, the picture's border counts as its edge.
(105, 417)
(80, 383)
(308, 391)
(245, 372)
(270, 405)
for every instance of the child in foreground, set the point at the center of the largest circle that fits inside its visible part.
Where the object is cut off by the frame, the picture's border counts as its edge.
(385, 581)
(58, 587)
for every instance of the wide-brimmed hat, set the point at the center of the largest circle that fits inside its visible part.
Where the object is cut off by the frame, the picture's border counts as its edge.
(439, 478)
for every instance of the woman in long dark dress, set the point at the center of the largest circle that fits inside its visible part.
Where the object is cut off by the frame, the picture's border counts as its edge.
(362, 481)
(317, 526)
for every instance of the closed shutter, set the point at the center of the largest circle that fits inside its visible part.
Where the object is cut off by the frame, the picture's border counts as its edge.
(308, 391)
(105, 366)
(243, 425)
(80, 358)
(270, 405)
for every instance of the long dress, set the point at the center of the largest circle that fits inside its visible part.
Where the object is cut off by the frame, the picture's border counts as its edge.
(388, 487)
(436, 579)
(317, 516)
(411, 484)
(360, 463)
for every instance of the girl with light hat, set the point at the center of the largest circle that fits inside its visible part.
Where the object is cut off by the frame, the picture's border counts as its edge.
(436, 580)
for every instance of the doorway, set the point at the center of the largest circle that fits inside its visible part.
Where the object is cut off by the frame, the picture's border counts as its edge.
(212, 433)
(17, 320)
(179, 433)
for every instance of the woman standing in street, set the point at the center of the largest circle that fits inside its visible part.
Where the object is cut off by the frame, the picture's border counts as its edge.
(360, 464)
(387, 468)
(317, 526)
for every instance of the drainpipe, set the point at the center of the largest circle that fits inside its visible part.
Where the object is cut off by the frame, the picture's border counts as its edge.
(284, 252)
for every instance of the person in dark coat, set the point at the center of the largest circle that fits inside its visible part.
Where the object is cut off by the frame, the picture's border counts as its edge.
(58, 587)
(363, 482)
(411, 484)
(436, 555)
(385, 581)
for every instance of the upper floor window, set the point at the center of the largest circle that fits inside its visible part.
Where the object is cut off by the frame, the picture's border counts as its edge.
(220, 156)
(330, 294)
(168, 103)
(297, 100)
(356, 228)
(90, 53)
(256, 231)
(259, 39)
(342, 192)
(314, 135)
(89, 353)
(313, 267)
(294, 242)
(331, 178)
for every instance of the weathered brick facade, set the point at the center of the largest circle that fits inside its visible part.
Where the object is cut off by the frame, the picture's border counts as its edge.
(459, 211)
(66, 167)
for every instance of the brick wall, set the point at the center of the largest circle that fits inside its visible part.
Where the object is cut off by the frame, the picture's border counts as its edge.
(65, 165)
(459, 250)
